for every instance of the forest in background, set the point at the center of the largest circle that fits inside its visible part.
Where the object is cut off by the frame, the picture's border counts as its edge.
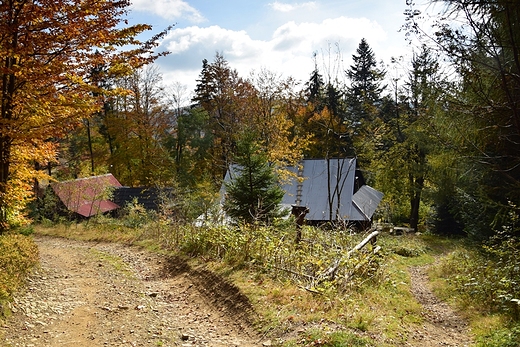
(440, 139)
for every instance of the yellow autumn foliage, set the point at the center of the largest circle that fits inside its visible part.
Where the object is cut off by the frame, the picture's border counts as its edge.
(49, 50)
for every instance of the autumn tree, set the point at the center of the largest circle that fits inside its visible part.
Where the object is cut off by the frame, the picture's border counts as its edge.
(326, 112)
(138, 126)
(85, 149)
(48, 49)
(272, 106)
(222, 93)
(330, 135)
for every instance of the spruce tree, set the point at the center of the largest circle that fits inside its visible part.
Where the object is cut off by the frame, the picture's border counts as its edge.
(366, 82)
(314, 87)
(253, 194)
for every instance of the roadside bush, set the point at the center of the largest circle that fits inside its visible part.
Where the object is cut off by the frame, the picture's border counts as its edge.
(26, 230)
(490, 275)
(270, 249)
(18, 255)
(507, 337)
(46, 208)
(504, 276)
(273, 250)
(136, 216)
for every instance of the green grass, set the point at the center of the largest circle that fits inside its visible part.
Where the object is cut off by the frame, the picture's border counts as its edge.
(383, 308)
(317, 337)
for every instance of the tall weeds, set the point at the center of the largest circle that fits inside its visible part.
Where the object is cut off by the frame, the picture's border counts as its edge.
(270, 249)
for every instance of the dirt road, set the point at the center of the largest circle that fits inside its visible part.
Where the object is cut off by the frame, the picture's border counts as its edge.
(88, 294)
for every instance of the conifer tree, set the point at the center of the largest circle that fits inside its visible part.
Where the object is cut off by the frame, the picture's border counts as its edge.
(253, 195)
(366, 84)
(222, 93)
(408, 141)
(481, 42)
(364, 98)
(314, 87)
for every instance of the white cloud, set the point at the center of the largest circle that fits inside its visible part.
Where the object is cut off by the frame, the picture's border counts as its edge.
(305, 37)
(285, 7)
(197, 41)
(288, 51)
(169, 9)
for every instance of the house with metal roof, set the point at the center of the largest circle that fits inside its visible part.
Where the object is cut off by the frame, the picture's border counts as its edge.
(332, 190)
(327, 187)
(150, 198)
(88, 196)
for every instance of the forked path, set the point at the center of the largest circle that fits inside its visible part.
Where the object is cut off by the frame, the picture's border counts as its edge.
(87, 294)
(442, 325)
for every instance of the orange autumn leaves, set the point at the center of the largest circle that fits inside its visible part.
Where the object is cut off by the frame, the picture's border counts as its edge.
(48, 49)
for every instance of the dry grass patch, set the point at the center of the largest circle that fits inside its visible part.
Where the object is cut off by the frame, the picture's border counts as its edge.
(18, 256)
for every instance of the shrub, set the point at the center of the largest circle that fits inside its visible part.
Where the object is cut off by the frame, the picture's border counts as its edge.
(272, 249)
(136, 216)
(18, 255)
(26, 230)
(46, 208)
(506, 337)
(491, 274)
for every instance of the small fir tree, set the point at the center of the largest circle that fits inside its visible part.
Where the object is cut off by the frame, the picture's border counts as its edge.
(254, 194)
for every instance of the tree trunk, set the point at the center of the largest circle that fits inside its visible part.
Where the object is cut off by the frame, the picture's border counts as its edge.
(91, 151)
(8, 91)
(415, 202)
(5, 155)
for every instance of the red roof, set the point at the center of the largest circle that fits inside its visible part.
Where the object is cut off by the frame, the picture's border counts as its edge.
(87, 196)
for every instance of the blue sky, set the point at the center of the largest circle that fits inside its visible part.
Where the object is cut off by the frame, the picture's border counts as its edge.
(280, 36)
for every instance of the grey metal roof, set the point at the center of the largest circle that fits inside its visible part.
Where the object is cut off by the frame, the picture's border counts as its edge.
(326, 187)
(366, 200)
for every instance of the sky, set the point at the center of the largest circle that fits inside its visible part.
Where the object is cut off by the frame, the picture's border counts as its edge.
(279, 36)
